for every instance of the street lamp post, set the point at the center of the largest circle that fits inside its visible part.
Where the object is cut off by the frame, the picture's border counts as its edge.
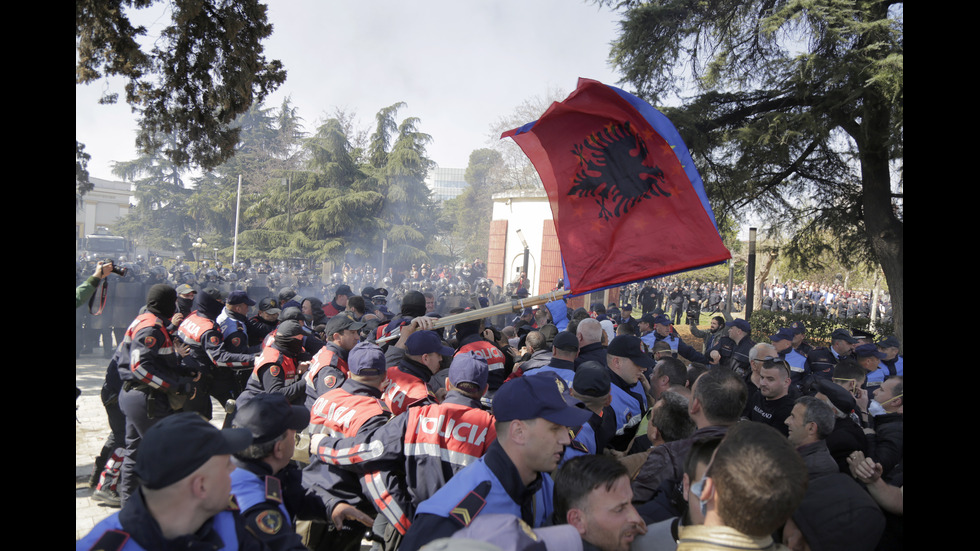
(199, 246)
(527, 252)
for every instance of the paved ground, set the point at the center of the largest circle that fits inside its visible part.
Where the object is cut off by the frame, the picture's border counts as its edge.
(91, 429)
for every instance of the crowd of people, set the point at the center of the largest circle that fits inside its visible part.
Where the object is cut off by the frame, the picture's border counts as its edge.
(125, 293)
(686, 297)
(557, 428)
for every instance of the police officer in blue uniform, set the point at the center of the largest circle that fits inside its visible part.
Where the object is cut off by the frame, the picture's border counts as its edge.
(893, 362)
(591, 384)
(564, 350)
(821, 361)
(663, 331)
(782, 341)
(627, 365)
(234, 325)
(184, 500)
(869, 357)
(211, 354)
(533, 416)
(427, 444)
(266, 484)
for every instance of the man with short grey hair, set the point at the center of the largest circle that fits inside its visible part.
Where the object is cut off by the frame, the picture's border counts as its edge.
(589, 333)
(757, 356)
(761, 351)
(810, 422)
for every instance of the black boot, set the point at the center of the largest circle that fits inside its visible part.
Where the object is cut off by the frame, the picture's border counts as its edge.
(93, 480)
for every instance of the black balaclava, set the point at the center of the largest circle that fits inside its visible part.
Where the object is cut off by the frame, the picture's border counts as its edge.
(206, 305)
(413, 304)
(185, 305)
(161, 300)
(289, 337)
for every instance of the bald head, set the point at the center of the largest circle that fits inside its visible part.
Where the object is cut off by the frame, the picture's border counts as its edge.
(589, 331)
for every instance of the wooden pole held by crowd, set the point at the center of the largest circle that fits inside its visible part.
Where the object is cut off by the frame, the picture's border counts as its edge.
(515, 305)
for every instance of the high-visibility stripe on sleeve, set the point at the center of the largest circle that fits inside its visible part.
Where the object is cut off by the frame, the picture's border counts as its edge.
(145, 376)
(435, 450)
(352, 455)
(385, 503)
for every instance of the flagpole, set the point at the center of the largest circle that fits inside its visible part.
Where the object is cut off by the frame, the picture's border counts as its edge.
(238, 208)
(515, 305)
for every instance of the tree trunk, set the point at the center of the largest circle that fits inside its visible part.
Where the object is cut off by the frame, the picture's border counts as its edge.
(885, 230)
(763, 275)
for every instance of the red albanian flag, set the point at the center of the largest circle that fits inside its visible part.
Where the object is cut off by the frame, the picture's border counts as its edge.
(627, 202)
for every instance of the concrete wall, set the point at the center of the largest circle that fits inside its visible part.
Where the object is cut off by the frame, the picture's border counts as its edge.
(526, 211)
(103, 206)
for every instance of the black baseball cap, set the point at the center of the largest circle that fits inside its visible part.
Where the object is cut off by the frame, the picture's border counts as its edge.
(239, 297)
(628, 346)
(269, 305)
(592, 379)
(216, 294)
(741, 324)
(179, 444)
(366, 359)
(268, 415)
(566, 340)
(468, 367)
(426, 342)
(340, 323)
(661, 319)
(889, 342)
(413, 298)
(869, 350)
(784, 334)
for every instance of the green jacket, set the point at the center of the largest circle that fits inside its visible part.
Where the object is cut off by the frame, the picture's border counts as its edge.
(84, 291)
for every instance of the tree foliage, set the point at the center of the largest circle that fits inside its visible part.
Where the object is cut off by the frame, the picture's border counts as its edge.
(206, 68)
(793, 111)
(343, 201)
(160, 217)
(323, 209)
(399, 163)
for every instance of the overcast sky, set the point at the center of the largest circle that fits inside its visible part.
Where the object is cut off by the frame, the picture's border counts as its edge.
(458, 65)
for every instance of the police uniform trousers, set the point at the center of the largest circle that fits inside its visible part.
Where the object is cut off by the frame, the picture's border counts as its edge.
(142, 409)
(117, 429)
